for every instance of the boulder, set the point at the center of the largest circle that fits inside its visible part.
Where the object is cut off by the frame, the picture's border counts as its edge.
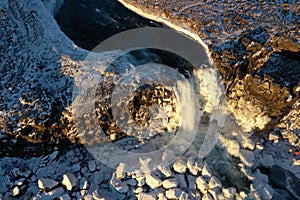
(70, 181)
(47, 184)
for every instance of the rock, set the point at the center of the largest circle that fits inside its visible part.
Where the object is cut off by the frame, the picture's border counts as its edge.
(241, 195)
(267, 192)
(198, 14)
(118, 185)
(141, 181)
(247, 157)
(179, 165)
(259, 177)
(246, 142)
(75, 168)
(247, 172)
(296, 162)
(198, 164)
(53, 156)
(176, 193)
(57, 192)
(138, 190)
(33, 178)
(92, 165)
(180, 178)
(20, 181)
(214, 182)
(122, 188)
(16, 191)
(47, 184)
(139, 178)
(266, 160)
(144, 164)
(90, 197)
(144, 196)
(214, 192)
(120, 171)
(292, 137)
(232, 146)
(165, 171)
(169, 183)
(273, 137)
(229, 192)
(84, 184)
(194, 165)
(84, 170)
(259, 146)
(202, 184)
(83, 193)
(160, 192)
(97, 178)
(70, 181)
(105, 193)
(194, 194)
(191, 180)
(191, 166)
(65, 197)
(206, 172)
(47, 171)
(131, 182)
(153, 181)
(161, 196)
(27, 173)
(207, 197)
(262, 191)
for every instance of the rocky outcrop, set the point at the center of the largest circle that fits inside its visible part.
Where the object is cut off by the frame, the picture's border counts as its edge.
(34, 91)
(246, 40)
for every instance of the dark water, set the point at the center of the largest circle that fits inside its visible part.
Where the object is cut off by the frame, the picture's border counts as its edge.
(88, 23)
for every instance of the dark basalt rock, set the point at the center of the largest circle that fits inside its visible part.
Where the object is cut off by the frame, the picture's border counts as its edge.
(284, 68)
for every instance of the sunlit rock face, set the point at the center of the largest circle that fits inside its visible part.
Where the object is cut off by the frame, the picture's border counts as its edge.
(250, 43)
